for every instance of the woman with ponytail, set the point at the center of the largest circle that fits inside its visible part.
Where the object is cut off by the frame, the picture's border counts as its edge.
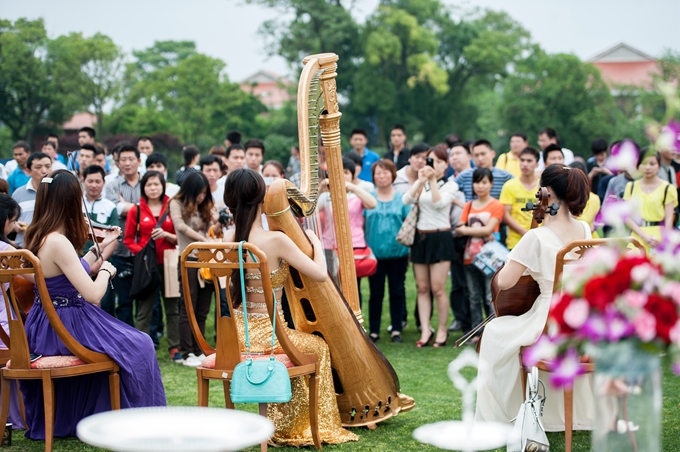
(191, 212)
(244, 195)
(499, 391)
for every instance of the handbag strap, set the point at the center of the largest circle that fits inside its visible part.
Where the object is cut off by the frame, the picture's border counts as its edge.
(243, 303)
(137, 228)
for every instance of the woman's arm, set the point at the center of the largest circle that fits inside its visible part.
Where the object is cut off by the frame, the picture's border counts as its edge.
(367, 200)
(180, 225)
(510, 274)
(316, 268)
(58, 251)
(479, 231)
(668, 216)
(412, 194)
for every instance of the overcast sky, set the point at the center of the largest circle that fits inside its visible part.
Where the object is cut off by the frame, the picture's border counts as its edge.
(227, 29)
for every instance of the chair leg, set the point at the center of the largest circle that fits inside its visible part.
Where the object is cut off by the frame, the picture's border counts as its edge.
(568, 418)
(48, 396)
(20, 396)
(263, 412)
(4, 413)
(203, 389)
(227, 394)
(314, 410)
(523, 375)
(114, 390)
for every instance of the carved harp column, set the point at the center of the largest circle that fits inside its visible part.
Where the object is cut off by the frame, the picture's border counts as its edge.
(329, 124)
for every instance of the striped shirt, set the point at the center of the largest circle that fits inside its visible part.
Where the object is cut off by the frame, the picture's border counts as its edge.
(464, 181)
(114, 190)
(25, 197)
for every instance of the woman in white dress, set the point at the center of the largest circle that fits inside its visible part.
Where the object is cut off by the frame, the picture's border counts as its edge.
(499, 391)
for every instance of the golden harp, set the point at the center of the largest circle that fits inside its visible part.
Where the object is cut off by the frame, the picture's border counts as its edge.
(366, 385)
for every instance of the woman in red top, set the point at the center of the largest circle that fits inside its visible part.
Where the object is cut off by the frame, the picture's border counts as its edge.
(152, 205)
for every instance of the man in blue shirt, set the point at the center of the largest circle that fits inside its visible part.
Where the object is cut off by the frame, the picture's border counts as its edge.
(483, 154)
(21, 174)
(358, 138)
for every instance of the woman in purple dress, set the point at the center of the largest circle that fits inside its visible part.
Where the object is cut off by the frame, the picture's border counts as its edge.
(56, 232)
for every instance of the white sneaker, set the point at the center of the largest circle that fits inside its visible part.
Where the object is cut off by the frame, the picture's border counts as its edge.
(192, 361)
(201, 357)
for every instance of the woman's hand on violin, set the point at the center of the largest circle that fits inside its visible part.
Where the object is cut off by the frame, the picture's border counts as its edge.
(158, 233)
(111, 236)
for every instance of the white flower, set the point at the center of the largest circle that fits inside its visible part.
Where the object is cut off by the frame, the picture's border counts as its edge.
(576, 313)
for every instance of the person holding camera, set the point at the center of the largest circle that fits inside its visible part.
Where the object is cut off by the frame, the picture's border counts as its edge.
(433, 249)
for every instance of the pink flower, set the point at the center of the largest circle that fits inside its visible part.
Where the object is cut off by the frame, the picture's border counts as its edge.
(634, 298)
(595, 328)
(618, 326)
(543, 348)
(565, 369)
(671, 290)
(669, 138)
(676, 368)
(674, 333)
(576, 313)
(624, 157)
(640, 273)
(645, 326)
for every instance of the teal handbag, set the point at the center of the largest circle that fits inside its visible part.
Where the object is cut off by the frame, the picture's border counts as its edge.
(258, 381)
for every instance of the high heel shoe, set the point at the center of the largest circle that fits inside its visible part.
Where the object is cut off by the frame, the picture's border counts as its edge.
(441, 344)
(421, 344)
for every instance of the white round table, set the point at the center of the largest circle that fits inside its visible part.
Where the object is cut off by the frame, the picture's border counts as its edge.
(174, 429)
(459, 435)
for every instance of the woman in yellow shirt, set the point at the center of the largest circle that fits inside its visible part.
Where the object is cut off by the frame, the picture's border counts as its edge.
(655, 200)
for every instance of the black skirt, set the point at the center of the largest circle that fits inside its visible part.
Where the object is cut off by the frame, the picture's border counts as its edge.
(432, 248)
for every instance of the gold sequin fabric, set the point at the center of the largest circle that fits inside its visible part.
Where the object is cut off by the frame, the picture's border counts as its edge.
(291, 420)
(278, 277)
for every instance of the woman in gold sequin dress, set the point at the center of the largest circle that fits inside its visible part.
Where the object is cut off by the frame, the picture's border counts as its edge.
(244, 195)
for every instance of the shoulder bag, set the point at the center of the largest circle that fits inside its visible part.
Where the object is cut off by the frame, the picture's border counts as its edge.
(145, 276)
(407, 231)
(460, 241)
(258, 381)
(528, 432)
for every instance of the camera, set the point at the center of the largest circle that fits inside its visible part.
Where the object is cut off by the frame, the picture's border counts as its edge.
(127, 272)
(429, 162)
(225, 218)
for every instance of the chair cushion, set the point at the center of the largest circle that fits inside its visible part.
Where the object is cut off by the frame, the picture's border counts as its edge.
(53, 362)
(209, 361)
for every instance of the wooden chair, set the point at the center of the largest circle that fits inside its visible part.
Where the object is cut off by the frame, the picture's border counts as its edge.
(222, 260)
(581, 246)
(84, 361)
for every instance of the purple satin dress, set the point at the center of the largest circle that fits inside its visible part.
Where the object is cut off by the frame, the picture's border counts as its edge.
(141, 384)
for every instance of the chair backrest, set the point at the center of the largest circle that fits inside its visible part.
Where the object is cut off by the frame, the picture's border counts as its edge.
(23, 263)
(222, 260)
(579, 247)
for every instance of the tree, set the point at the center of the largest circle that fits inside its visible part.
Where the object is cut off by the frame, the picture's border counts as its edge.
(561, 92)
(39, 79)
(187, 94)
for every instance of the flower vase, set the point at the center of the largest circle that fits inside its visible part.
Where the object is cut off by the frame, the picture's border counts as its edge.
(627, 398)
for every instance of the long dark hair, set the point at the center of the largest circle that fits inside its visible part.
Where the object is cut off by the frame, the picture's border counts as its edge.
(569, 185)
(188, 193)
(9, 210)
(243, 193)
(58, 205)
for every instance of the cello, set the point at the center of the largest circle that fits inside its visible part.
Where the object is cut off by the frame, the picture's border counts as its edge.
(518, 299)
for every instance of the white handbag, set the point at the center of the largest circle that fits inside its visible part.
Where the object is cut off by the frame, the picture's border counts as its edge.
(528, 433)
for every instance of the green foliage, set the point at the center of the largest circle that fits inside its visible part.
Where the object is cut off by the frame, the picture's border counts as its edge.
(561, 92)
(187, 95)
(278, 147)
(39, 78)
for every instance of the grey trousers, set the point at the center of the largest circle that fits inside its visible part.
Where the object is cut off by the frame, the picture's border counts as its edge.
(145, 313)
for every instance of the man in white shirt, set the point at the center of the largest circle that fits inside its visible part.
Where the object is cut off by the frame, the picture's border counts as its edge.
(145, 147)
(548, 136)
(39, 165)
(236, 158)
(211, 167)
(254, 154)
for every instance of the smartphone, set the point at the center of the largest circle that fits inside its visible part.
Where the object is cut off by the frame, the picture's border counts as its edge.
(429, 162)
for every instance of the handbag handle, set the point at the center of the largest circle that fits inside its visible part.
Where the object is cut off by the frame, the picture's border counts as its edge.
(249, 359)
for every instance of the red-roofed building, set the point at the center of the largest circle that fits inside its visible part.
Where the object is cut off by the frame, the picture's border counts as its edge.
(272, 89)
(625, 65)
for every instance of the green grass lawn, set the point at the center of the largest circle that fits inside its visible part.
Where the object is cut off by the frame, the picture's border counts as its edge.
(422, 373)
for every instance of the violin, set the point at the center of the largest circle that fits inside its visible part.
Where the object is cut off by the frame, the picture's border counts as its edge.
(518, 299)
(98, 231)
